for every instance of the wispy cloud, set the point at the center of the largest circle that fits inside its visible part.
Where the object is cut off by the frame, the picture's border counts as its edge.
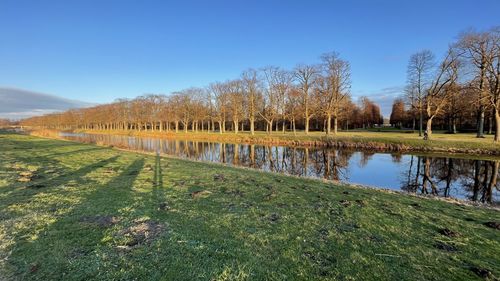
(18, 103)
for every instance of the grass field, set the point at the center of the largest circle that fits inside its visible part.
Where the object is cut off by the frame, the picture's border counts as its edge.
(72, 211)
(370, 139)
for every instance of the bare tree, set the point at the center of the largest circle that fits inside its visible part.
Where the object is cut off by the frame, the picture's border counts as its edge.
(235, 102)
(493, 78)
(270, 106)
(252, 94)
(334, 87)
(219, 91)
(292, 107)
(479, 48)
(442, 88)
(306, 75)
(419, 73)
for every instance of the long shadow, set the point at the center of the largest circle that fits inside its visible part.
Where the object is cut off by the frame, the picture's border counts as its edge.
(158, 190)
(38, 186)
(158, 177)
(37, 155)
(71, 241)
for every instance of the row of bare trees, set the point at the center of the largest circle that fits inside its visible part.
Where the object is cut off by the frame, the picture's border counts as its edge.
(269, 99)
(466, 77)
(4, 122)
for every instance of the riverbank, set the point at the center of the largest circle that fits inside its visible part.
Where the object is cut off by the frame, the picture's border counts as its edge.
(77, 211)
(403, 141)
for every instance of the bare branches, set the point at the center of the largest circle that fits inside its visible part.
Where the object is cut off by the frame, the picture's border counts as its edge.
(334, 85)
(306, 77)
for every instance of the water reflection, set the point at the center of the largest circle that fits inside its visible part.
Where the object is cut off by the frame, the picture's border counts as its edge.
(442, 176)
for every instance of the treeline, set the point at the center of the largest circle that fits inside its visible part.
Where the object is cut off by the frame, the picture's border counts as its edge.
(460, 91)
(7, 122)
(309, 97)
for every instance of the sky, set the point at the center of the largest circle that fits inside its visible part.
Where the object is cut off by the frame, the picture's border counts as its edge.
(98, 50)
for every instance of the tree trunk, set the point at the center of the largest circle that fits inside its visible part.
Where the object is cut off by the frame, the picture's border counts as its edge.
(480, 123)
(497, 125)
(490, 125)
(252, 126)
(420, 123)
(307, 125)
(328, 124)
(236, 124)
(429, 127)
(335, 124)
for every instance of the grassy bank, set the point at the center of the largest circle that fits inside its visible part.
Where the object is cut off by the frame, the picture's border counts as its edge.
(73, 211)
(362, 139)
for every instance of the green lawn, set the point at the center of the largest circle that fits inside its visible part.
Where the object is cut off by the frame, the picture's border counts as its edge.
(73, 211)
(389, 139)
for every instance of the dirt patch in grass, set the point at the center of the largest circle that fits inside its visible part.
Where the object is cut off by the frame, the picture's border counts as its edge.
(493, 224)
(448, 232)
(416, 205)
(361, 203)
(219, 177)
(163, 206)
(482, 272)
(141, 232)
(274, 217)
(100, 221)
(345, 203)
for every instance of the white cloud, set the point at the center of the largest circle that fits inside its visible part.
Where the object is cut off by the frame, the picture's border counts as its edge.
(18, 103)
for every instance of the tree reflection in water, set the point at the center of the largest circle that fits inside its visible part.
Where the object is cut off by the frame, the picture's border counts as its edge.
(471, 179)
(438, 176)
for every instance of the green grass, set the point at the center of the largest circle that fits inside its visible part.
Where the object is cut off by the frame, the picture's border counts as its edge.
(83, 213)
(385, 139)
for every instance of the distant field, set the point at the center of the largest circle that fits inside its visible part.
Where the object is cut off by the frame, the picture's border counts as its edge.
(74, 211)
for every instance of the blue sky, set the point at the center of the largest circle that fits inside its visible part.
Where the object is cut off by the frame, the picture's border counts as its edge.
(97, 51)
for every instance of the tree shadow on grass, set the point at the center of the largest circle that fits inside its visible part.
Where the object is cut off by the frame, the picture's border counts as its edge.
(158, 191)
(65, 248)
(48, 185)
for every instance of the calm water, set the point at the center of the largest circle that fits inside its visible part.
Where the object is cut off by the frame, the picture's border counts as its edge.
(470, 179)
